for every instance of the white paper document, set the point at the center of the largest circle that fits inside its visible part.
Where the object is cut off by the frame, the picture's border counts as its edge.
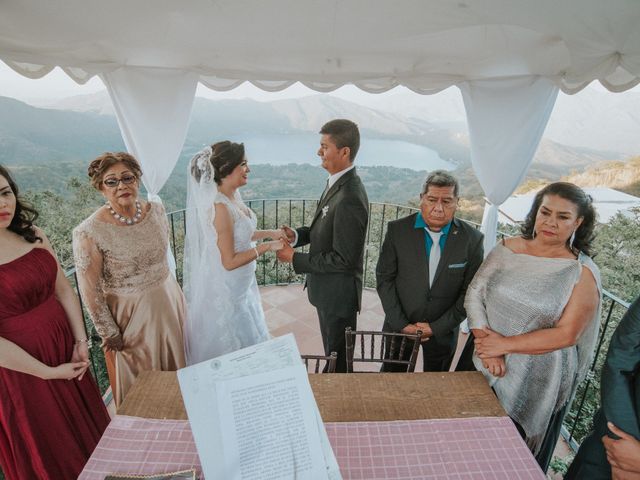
(270, 426)
(253, 415)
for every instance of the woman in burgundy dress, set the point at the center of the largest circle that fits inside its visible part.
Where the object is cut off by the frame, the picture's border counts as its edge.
(51, 412)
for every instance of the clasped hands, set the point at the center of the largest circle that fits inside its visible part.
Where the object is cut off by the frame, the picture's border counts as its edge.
(75, 368)
(285, 254)
(424, 327)
(279, 239)
(491, 350)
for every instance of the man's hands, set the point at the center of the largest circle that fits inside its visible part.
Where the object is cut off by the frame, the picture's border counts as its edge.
(623, 454)
(289, 233)
(285, 254)
(424, 327)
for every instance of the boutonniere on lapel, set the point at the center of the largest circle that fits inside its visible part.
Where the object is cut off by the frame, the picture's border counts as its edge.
(325, 209)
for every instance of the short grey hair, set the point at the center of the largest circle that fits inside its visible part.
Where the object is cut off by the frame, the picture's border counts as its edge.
(441, 178)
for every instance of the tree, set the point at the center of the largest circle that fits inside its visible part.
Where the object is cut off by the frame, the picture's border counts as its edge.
(60, 215)
(617, 246)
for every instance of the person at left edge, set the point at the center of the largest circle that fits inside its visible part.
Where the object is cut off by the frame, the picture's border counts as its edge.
(51, 412)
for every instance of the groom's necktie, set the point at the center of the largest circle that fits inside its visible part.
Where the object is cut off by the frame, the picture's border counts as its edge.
(434, 254)
(326, 189)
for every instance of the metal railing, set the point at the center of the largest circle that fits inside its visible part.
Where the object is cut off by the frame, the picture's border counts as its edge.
(296, 212)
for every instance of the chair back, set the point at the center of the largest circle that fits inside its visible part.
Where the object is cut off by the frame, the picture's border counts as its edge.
(395, 344)
(316, 360)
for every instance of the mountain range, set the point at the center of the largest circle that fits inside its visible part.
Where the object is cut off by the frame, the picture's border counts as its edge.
(593, 118)
(57, 141)
(78, 127)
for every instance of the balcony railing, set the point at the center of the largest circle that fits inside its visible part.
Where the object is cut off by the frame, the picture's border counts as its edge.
(295, 212)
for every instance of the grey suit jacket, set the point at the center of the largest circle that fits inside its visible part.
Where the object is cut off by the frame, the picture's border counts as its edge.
(336, 237)
(402, 275)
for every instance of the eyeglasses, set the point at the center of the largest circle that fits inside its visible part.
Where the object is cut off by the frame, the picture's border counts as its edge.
(114, 182)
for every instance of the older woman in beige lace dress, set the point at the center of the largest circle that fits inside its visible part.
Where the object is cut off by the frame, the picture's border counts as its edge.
(120, 252)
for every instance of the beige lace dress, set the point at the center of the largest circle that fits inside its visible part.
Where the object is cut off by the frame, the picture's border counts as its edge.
(126, 286)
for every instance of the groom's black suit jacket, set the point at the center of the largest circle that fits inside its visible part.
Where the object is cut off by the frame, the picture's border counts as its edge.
(402, 276)
(336, 237)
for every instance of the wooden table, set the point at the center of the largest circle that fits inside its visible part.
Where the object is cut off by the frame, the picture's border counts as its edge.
(347, 397)
(455, 429)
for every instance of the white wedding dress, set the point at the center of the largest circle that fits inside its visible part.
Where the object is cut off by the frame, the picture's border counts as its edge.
(224, 307)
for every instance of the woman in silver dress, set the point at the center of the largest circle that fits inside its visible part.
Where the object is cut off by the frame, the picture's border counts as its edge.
(534, 312)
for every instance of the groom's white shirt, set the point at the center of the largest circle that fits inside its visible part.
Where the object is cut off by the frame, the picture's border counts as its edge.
(330, 183)
(334, 178)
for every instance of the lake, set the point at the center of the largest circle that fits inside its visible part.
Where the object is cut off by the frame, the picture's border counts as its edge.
(302, 148)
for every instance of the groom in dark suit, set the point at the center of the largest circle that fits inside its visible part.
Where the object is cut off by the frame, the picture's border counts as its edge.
(426, 263)
(336, 237)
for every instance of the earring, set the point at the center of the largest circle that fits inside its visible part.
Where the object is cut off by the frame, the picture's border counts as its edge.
(573, 237)
(534, 233)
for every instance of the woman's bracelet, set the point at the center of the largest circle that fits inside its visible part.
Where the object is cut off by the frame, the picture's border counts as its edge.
(84, 340)
(255, 249)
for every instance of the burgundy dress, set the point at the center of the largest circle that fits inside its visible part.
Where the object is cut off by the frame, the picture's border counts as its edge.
(48, 428)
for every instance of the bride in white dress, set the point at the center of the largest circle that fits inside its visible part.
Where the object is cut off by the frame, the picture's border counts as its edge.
(224, 309)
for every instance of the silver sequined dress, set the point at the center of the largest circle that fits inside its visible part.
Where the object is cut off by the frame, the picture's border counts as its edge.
(516, 293)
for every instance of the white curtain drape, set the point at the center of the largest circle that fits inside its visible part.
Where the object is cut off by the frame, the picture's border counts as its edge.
(153, 106)
(506, 119)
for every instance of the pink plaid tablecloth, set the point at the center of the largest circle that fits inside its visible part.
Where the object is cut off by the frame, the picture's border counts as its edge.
(463, 448)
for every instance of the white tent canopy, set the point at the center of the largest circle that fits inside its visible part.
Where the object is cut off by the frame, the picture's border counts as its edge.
(153, 54)
(426, 45)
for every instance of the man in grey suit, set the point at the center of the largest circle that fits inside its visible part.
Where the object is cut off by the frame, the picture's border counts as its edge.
(336, 237)
(426, 263)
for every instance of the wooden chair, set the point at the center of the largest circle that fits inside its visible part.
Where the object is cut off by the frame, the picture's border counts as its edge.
(397, 343)
(330, 361)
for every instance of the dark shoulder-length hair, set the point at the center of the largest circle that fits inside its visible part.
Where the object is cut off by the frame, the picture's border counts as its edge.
(24, 215)
(585, 233)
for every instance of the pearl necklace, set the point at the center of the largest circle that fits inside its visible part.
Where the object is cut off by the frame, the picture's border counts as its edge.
(129, 221)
